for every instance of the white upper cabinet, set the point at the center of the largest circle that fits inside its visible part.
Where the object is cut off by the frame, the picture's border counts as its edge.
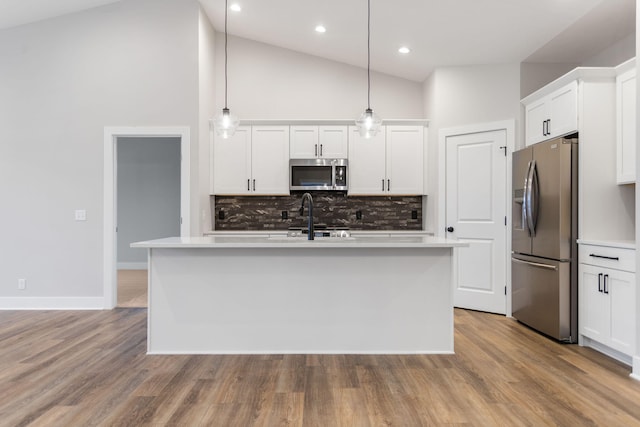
(254, 161)
(367, 163)
(391, 163)
(405, 159)
(333, 142)
(626, 127)
(311, 142)
(304, 142)
(270, 160)
(552, 115)
(232, 163)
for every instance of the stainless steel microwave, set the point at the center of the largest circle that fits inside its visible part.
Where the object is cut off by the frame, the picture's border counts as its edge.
(318, 174)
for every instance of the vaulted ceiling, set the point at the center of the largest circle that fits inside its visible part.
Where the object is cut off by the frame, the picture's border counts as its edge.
(438, 33)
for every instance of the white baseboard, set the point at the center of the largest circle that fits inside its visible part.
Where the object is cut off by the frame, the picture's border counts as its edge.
(635, 373)
(614, 354)
(132, 265)
(53, 303)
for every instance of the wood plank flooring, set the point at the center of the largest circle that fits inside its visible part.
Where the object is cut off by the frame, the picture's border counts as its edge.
(132, 288)
(89, 368)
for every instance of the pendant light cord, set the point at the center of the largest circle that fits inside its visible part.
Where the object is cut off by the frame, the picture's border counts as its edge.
(369, 54)
(226, 10)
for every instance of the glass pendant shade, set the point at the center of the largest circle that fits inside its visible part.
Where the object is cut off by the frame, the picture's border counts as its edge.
(368, 123)
(226, 124)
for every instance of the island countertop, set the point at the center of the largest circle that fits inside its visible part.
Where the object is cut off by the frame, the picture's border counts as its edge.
(280, 241)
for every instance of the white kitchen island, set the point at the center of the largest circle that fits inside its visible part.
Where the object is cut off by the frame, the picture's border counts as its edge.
(235, 295)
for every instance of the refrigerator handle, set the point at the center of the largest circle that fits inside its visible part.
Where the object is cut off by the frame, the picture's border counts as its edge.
(535, 197)
(534, 264)
(530, 199)
(525, 200)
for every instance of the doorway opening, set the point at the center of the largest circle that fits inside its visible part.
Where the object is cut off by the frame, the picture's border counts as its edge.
(146, 196)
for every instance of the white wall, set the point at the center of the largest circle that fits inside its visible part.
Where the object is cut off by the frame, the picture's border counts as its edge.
(267, 82)
(148, 193)
(61, 82)
(206, 93)
(460, 96)
(534, 75)
(615, 54)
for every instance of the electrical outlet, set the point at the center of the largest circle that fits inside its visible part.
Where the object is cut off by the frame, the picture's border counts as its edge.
(358, 214)
(414, 214)
(22, 284)
(221, 214)
(81, 215)
(285, 215)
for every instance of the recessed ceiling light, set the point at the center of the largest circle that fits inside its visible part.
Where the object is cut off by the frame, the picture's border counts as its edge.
(404, 49)
(321, 29)
(235, 7)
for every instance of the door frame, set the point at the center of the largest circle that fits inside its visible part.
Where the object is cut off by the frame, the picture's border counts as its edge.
(509, 127)
(111, 135)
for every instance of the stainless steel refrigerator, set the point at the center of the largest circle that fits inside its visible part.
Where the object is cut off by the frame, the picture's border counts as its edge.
(544, 249)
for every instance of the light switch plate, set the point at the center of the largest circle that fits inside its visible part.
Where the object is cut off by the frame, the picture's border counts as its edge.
(81, 215)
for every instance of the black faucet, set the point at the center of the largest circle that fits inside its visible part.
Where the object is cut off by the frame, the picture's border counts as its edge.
(311, 234)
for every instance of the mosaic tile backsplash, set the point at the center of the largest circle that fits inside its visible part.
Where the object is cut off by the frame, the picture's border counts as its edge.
(333, 209)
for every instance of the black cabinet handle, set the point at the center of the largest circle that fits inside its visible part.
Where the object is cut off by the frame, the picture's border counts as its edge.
(248, 184)
(383, 185)
(450, 229)
(544, 128)
(548, 126)
(600, 282)
(614, 258)
(606, 279)
(388, 185)
(254, 185)
(320, 150)
(316, 150)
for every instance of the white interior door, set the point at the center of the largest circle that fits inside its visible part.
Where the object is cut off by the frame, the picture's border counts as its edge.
(476, 169)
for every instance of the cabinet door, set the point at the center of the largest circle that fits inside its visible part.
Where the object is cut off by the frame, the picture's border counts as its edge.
(333, 142)
(304, 142)
(270, 160)
(626, 127)
(563, 111)
(367, 160)
(621, 287)
(232, 163)
(405, 160)
(535, 115)
(593, 305)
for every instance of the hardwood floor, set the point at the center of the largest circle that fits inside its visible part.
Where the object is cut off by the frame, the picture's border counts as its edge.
(89, 368)
(132, 288)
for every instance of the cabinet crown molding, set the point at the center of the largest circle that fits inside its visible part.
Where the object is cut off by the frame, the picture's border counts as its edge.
(329, 122)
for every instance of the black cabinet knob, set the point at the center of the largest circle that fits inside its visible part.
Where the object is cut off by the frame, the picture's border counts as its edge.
(450, 229)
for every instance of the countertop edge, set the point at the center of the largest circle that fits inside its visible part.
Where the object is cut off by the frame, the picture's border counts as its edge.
(621, 244)
(266, 243)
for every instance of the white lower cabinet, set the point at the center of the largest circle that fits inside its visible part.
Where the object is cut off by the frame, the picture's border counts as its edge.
(607, 301)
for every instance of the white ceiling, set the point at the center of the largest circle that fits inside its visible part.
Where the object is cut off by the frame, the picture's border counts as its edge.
(439, 32)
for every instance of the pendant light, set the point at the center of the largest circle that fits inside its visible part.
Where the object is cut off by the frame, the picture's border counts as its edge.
(369, 122)
(225, 124)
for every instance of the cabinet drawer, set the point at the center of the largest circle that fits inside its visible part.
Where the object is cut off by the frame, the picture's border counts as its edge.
(608, 257)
